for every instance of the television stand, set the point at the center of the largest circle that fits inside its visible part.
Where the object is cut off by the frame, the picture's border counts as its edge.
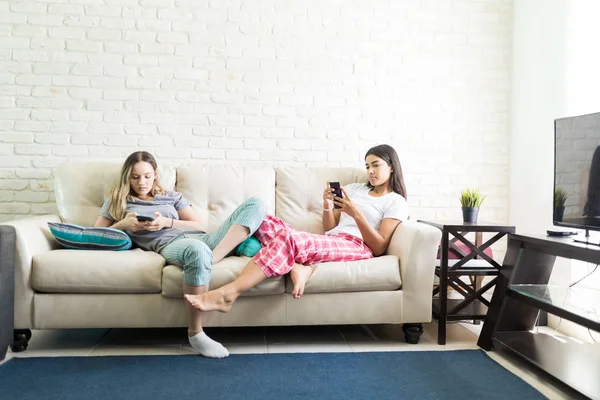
(587, 239)
(522, 291)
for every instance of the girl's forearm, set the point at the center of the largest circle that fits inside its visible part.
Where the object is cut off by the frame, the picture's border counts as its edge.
(118, 225)
(177, 223)
(371, 237)
(328, 220)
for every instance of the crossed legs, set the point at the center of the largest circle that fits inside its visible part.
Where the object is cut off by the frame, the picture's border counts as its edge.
(285, 250)
(223, 298)
(196, 259)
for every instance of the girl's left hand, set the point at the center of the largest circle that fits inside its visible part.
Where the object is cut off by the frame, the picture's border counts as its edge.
(347, 205)
(158, 223)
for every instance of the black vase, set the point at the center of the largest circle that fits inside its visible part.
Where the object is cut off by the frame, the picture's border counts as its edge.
(558, 214)
(470, 215)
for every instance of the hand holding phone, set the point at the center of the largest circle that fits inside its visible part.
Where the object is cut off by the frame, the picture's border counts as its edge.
(337, 192)
(144, 218)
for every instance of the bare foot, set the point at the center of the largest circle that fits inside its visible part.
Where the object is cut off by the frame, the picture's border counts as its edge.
(300, 275)
(215, 300)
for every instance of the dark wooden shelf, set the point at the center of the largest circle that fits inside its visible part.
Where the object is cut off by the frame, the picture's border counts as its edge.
(478, 263)
(556, 309)
(480, 226)
(474, 310)
(470, 271)
(560, 246)
(575, 364)
(522, 292)
(474, 260)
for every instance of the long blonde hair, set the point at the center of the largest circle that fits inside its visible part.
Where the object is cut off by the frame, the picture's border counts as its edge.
(123, 192)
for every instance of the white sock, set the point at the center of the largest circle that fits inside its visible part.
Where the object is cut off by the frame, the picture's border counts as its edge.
(208, 347)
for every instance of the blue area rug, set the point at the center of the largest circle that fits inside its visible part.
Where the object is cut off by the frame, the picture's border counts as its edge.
(464, 374)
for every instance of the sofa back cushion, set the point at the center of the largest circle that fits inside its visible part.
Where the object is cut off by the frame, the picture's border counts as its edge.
(216, 190)
(80, 188)
(299, 193)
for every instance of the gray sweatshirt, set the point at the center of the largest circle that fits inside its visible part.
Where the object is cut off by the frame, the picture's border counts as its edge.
(168, 205)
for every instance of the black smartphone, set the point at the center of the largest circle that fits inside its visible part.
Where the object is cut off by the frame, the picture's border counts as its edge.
(337, 192)
(144, 218)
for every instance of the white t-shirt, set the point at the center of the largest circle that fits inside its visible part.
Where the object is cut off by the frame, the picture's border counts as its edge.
(375, 209)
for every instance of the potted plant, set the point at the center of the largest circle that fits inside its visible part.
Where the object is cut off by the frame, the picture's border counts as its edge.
(560, 198)
(470, 200)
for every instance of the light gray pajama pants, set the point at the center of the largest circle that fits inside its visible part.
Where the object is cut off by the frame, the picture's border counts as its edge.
(193, 252)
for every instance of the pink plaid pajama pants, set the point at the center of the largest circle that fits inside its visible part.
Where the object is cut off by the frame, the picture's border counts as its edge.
(283, 246)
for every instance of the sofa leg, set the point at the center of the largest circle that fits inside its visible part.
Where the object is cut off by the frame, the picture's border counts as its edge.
(412, 332)
(20, 340)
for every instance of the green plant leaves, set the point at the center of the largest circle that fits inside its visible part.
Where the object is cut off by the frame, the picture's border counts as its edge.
(471, 198)
(560, 197)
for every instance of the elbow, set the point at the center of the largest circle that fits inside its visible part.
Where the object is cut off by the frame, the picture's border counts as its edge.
(379, 251)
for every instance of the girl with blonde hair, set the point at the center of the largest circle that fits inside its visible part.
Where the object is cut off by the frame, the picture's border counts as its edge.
(174, 232)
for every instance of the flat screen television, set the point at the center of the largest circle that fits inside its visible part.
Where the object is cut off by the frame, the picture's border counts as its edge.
(577, 172)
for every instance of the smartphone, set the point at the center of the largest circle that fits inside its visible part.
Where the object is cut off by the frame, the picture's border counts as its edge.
(337, 192)
(144, 218)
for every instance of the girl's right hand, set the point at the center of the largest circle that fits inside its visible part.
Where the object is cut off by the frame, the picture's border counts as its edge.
(328, 197)
(131, 223)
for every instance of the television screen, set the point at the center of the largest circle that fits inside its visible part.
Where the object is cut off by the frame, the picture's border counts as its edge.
(577, 172)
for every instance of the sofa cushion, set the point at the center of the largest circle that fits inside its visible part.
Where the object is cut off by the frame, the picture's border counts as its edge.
(375, 274)
(216, 190)
(81, 271)
(223, 273)
(299, 193)
(81, 187)
(73, 236)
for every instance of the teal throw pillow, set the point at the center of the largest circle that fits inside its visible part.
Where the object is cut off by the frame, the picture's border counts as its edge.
(248, 247)
(77, 237)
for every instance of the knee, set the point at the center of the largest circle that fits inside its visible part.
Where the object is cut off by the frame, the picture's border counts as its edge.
(258, 206)
(283, 236)
(197, 254)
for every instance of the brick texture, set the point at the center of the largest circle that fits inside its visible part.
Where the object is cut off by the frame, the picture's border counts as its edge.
(265, 82)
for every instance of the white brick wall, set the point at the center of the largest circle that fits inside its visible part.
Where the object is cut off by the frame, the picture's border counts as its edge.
(267, 82)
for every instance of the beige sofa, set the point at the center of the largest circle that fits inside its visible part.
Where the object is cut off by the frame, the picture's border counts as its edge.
(57, 288)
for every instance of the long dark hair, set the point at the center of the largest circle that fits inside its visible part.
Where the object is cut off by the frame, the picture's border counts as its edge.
(389, 155)
(592, 205)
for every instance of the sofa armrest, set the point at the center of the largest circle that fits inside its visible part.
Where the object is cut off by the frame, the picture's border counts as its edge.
(416, 245)
(7, 295)
(33, 237)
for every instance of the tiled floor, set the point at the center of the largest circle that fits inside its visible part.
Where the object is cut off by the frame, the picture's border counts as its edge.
(352, 338)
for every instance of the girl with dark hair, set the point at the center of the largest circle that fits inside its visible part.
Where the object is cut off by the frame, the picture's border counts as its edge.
(388, 154)
(361, 228)
(175, 233)
(592, 204)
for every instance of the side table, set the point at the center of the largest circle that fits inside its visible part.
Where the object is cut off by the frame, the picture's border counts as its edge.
(473, 306)
(7, 279)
